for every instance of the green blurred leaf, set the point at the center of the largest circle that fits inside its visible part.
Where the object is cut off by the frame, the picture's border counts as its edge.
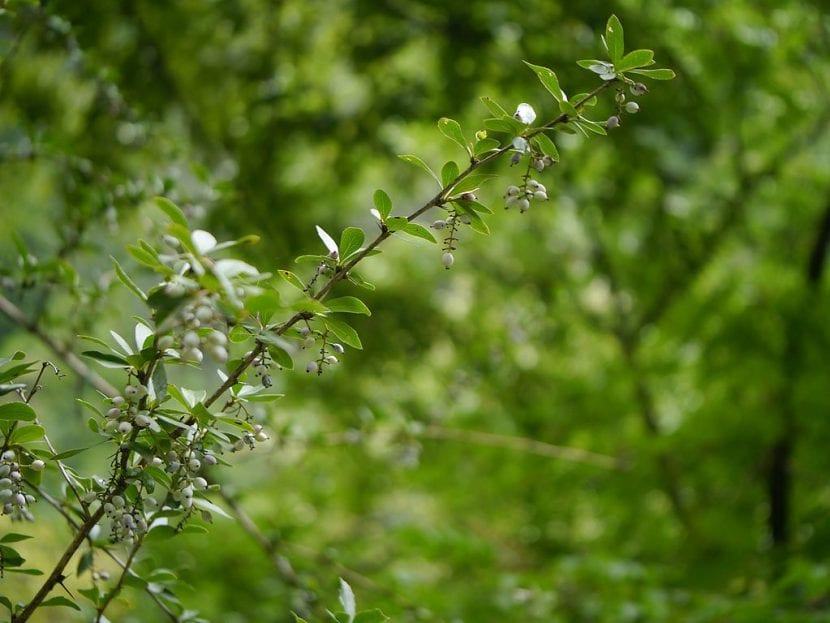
(416, 161)
(172, 211)
(344, 332)
(655, 74)
(18, 411)
(349, 305)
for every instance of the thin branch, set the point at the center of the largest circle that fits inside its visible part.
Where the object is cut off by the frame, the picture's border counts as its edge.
(522, 444)
(113, 592)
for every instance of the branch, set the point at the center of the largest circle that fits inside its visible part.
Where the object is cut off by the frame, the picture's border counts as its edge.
(522, 444)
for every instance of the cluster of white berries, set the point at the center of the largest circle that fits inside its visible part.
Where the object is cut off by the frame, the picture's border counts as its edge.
(637, 89)
(125, 412)
(126, 522)
(14, 500)
(521, 196)
(249, 439)
(326, 358)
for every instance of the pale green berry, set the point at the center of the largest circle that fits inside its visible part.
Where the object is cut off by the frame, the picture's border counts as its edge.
(632, 107)
(37, 465)
(447, 260)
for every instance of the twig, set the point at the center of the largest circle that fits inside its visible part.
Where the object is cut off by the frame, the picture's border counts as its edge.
(522, 444)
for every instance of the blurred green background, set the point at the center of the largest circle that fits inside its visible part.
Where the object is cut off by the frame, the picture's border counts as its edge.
(667, 308)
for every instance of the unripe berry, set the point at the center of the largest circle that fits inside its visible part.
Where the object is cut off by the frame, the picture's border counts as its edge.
(118, 400)
(439, 224)
(338, 348)
(612, 122)
(204, 313)
(200, 483)
(218, 338)
(312, 367)
(9, 455)
(447, 260)
(143, 420)
(218, 353)
(114, 412)
(632, 107)
(468, 196)
(125, 428)
(523, 204)
(638, 89)
(191, 339)
(37, 465)
(330, 359)
(164, 342)
(194, 464)
(210, 459)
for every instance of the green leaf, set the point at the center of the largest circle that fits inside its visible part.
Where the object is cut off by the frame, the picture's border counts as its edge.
(281, 357)
(415, 160)
(14, 537)
(614, 41)
(418, 231)
(6, 602)
(383, 203)
(127, 281)
(348, 305)
(568, 109)
(546, 145)
(350, 241)
(144, 257)
(69, 453)
(264, 304)
(588, 63)
(171, 210)
(359, 281)
(637, 58)
(309, 305)
(592, 126)
(449, 172)
(344, 332)
(396, 223)
(206, 505)
(371, 616)
(27, 434)
(452, 130)
(485, 145)
(18, 411)
(106, 358)
(505, 124)
(655, 74)
(548, 79)
(60, 600)
(493, 107)
(293, 279)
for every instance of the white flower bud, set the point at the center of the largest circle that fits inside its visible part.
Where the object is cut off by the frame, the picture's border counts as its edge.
(447, 260)
(204, 313)
(193, 355)
(200, 483)
(194, 464)
(142, 419)
(541, 195)
(338, 348)
(523, 204)
(9, 455)
(330, 359)
(638, 89)
(468, 196)
(125, 428)
(210, 459)
(15, 476)
(309, 342)
(114, 412)
(118, 400)
(439, 224)
(5, 494)
(191, 339)
(612, 122)
(539, 164)
(525, 113)
(512, 191)
(520, 144)
(164, 342)
(218, 338)
(218, 353)
(466, 219)
(632, 107)
(37, 465)
(312, 367)
(117, 501)
(20, 500)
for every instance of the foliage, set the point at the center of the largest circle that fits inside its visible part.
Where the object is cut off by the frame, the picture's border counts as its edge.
(478, 456)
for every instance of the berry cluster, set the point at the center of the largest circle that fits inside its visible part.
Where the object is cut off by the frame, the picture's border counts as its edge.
(14, 500)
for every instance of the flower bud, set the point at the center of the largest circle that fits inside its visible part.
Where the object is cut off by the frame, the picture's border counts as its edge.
(131, 391)
(218, 353)
(312, 367)
(218, 338)
(308, 342)
(439, 224)
(525, 113)
(114, 412)
(612, 122)
(142, 419)
(15, 476)
(37, 465)
(204, 313)
(118, 400)
(330, 359)
(539, 164)
(512, 191)
(164, 342)
(338, 348)
(466, 219)
(125, 428)
(541, 195)
(447, 260)
(191, 339)
(632, 107)
(638, 89)
(9, 455)
(469, 196)
(194, 464)
(200, 483)
(20, 500)
(523, 204)
(193, 355)
(210, 459)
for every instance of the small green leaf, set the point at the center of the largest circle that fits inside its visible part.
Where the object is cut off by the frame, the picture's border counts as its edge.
(589, 63)
(449, 172)
(371, 616)
(548, 79)
(592, 126)
(485, 145)
(547, 146)
(350, 241)
(69, 453)
(359, 281)
(106, 358)
(614, 40)
(171, 210)
(18, 411)
(310, 306)
(383, 203)
(6, 602)
(493, 107)
(415, 160)
(396, 223)
(506, 124)
(293, 279)
(655, 74)
(418, 231)
(14, 537)
(144, 257)
(206, 505)
(452, 130)
(127, 281)
(348, 305)
(637, 58)
(281, 357)
(344, 332)
(60, 600)
(27, 434)
(568, 109)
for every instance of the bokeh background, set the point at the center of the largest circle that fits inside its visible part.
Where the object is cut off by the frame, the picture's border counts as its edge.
(667, 307)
